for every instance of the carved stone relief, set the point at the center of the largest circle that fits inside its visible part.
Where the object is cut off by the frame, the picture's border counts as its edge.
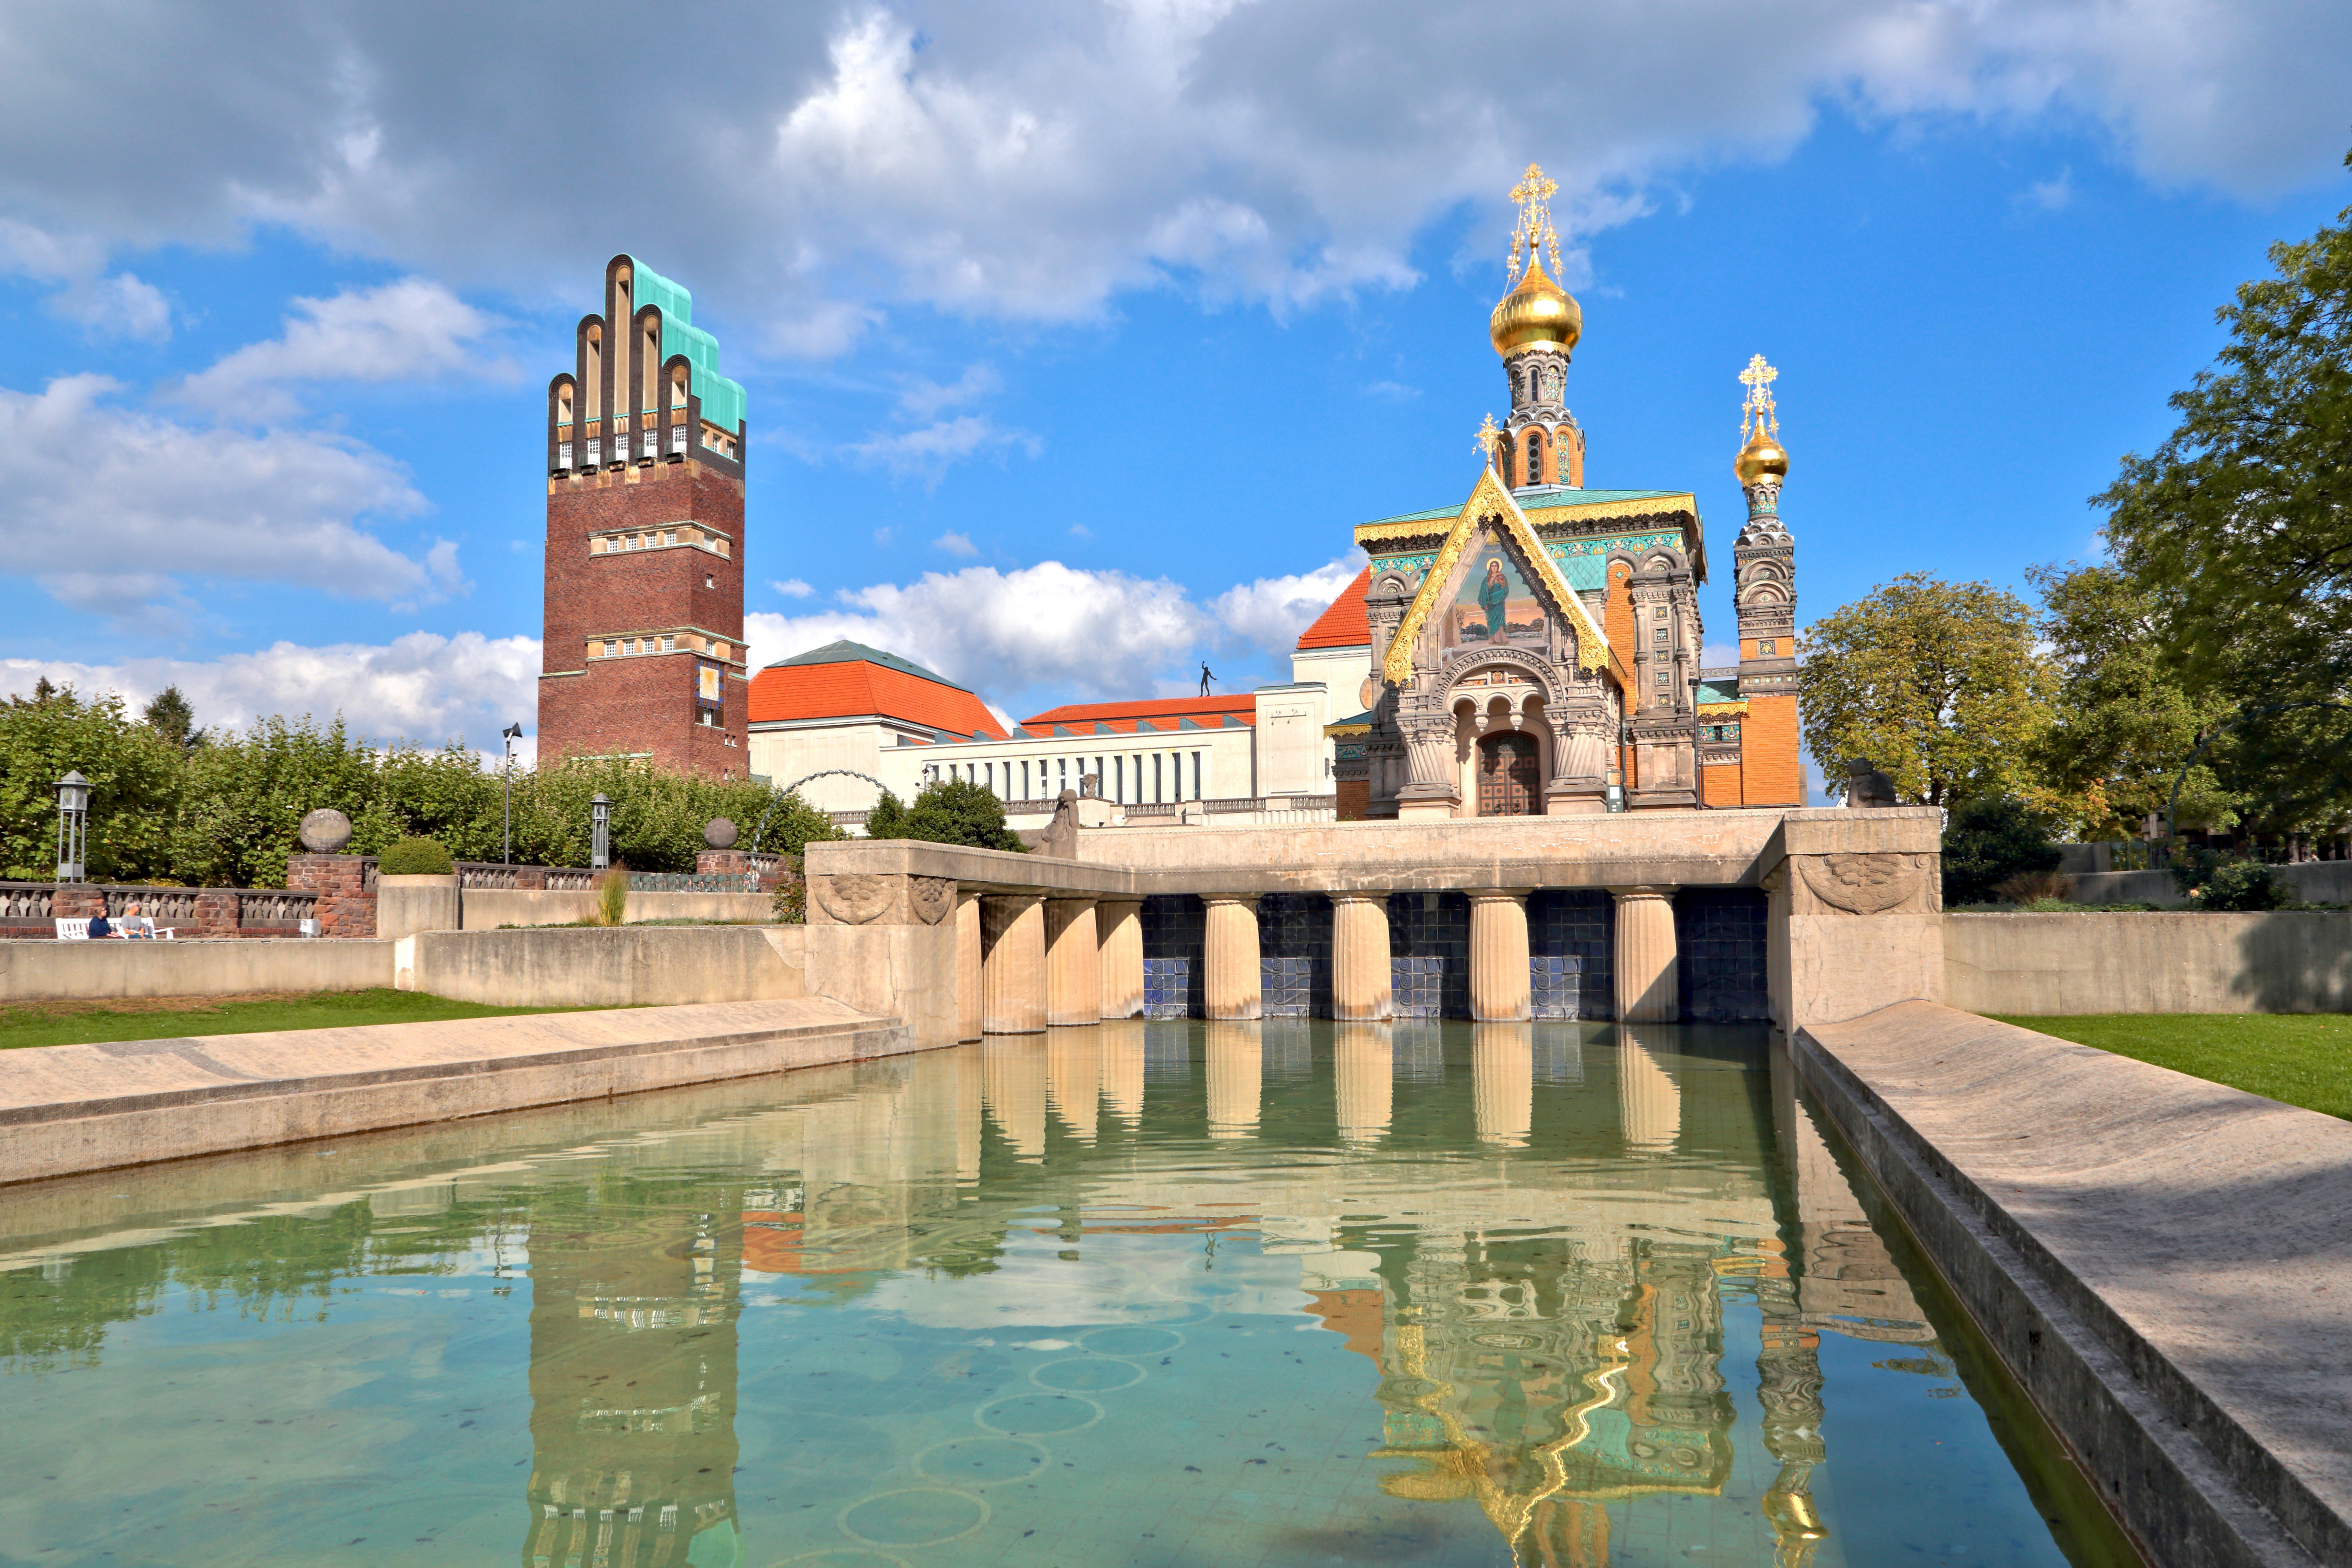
(856, 898)
(930, 897)
(1867, 884)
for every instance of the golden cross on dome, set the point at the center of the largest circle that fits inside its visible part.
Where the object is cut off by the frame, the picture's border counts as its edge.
(1484, 442)
(1533, 194)
(1757, 413)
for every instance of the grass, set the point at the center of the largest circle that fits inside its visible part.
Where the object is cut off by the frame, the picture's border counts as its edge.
(2303, 1058)
(165, 1018)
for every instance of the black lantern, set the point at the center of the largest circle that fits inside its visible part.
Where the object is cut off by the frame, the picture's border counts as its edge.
(73, 825)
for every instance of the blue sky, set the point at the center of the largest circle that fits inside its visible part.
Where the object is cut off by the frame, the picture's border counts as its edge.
(1078, 338)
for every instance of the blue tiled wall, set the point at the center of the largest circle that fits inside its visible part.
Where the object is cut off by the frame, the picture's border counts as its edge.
(1175, 931)
(1720, 934)
(1429, 954)
(1571, 942)
(1294, 935)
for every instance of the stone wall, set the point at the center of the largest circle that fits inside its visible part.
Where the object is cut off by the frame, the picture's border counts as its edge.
(88, 970)
(2312, 882)
(2029, 965)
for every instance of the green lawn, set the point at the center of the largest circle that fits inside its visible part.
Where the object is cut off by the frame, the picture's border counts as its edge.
(2303, 1058)
(79, 1023)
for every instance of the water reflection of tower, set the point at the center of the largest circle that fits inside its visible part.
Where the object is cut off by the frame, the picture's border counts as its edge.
(633, 1380)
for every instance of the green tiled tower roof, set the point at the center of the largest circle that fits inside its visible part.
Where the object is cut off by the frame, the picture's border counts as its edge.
(722, 399)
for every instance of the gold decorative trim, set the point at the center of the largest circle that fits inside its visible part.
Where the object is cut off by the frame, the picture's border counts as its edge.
(1488, 498)
(1722, 709)
(1665, 504)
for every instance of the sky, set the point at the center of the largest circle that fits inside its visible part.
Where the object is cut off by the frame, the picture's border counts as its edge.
(1078, 337)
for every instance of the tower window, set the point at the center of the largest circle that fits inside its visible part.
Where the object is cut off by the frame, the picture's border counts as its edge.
(708, 581)
(1662, 635)
(612, 650)
(669, 643)
(1535, 456)
(669, 536)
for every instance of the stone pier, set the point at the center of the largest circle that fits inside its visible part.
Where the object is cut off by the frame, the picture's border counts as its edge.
(1360, 958)
(1648, 991)
(1364, 1068)
(968, 947)
(1236, 1066)
(1503, 1082)
(1500, 990)
(1073, 963)
(1118, 924)
(1012, 963)
(1231, 956)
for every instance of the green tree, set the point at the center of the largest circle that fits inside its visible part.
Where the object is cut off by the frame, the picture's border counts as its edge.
(170, 716)
(2240, 527)
(1988, 839)
(135, 788)
(1938, 683)
(2122, 723)
(951, 811)
(248, 793)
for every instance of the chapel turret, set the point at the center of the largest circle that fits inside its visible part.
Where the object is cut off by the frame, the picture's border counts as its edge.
(1536, 327)
(1764, 591)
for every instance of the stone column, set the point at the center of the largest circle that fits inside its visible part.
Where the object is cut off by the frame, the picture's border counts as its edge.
(968, 966)
(1498, 955)
(1648, 991)
(1502, 1081)
(1118, 924)
(1649, 1101)
(1231, 984)
(1360, 958)
(970, 1096)
(1073, 963)
(1363, 1067)
(1236, 1064)
(1012, 963)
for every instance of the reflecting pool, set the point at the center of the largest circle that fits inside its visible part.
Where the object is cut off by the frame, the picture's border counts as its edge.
(1166, 1293)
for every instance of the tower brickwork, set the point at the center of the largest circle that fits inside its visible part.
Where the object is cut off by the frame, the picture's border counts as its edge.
(643, 645)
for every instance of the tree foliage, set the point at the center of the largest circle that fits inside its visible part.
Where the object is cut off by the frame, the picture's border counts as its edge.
(951, 811)
(228, 812)
(1988, 840)
(1938, 683)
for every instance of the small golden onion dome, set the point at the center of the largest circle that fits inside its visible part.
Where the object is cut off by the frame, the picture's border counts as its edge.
(1538, 314)
(1763, 455)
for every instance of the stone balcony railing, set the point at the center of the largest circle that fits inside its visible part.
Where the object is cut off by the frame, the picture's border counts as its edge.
(33, 909)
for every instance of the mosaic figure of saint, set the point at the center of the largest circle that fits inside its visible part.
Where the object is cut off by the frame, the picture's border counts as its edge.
(1493, 594)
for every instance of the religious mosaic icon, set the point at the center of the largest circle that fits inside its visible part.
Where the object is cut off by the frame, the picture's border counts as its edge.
(1494, 606)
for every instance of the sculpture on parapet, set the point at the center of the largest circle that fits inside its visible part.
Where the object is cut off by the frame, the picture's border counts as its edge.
(1865, 786)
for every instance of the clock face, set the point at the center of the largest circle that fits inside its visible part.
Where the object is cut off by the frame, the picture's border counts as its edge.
(1368, 694)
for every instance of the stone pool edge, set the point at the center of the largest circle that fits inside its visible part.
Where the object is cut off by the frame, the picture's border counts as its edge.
(1933, 1100)
(68, 1110)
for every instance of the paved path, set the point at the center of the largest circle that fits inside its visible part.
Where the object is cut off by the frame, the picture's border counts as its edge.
(85, 1107)
(2167, 1263)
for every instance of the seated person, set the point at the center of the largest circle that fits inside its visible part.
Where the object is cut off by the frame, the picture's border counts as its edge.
(99, 926)
(133, 923)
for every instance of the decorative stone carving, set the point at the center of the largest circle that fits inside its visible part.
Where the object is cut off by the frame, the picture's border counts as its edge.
(930, 897)
(1861, 884)
(856, 898)
(326, 831)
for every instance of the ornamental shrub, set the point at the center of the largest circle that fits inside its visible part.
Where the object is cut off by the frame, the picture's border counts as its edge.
(2216, 880)
(1988, 840)
(414, 857)
(952, 811)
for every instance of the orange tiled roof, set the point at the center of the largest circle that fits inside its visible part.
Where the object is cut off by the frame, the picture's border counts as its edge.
(1344, 624)
(853, 689)
(1147, 718)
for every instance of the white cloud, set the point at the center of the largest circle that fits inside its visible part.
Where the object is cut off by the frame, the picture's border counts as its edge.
(928, 452)
(423, 687)
(924, 399)
(793, 588)
(956, 544)
(1268, 615)
(1059, 633)
(409, 330)
(104, 304)
(1031, 163)
(104, 507)
(2054, 195)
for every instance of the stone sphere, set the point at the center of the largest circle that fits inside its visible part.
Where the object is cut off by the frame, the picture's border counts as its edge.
(325, 831)
(718, 832)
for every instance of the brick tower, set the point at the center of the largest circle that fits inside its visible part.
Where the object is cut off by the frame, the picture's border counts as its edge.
(1764, 576)
(644, 637)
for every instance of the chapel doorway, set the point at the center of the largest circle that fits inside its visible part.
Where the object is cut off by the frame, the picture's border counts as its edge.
(1508, 781)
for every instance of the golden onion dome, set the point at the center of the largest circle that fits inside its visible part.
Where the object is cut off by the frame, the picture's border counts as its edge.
(1538, 314)
(1763, 455)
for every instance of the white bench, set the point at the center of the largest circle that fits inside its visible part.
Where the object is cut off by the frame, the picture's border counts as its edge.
(73, 931)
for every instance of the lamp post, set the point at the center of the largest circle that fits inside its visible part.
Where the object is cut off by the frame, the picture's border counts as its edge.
(73, 825)
(511, 733)
(600, 815)
(1698, 766)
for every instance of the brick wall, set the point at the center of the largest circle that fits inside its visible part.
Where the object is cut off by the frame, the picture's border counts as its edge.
(1726, 787)
(1773, 770)
(346, 903)
(641, 703)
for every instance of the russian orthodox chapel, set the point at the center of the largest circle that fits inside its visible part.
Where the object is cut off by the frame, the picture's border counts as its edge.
(1535, 651)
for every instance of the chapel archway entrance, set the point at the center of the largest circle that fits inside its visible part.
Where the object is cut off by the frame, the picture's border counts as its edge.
(1510, 778)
